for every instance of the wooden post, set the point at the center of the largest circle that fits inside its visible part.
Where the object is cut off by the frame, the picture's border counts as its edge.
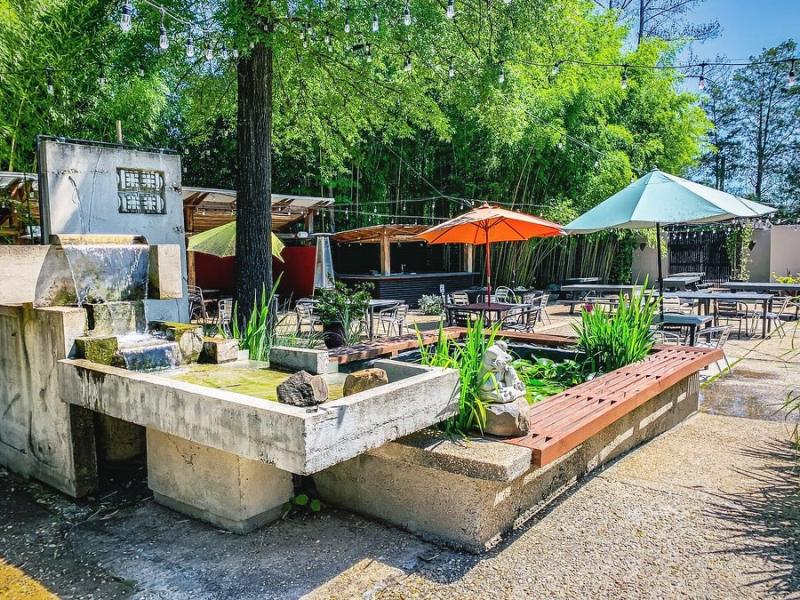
(386, 255)
(119, 131)
(469, 258)
(188, 225)
(310, 221)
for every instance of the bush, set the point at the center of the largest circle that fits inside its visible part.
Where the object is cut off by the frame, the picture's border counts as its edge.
(431, 304)
(611, 341)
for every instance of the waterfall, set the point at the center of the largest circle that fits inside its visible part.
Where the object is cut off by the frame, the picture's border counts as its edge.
(108, 272)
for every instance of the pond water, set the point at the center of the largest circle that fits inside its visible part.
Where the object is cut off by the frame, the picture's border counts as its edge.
(252, 378)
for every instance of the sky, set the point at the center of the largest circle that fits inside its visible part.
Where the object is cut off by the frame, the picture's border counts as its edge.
(748, 26)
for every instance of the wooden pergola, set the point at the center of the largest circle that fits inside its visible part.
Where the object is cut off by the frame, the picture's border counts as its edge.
(385, 235)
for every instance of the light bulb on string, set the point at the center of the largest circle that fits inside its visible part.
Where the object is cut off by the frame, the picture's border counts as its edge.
(125, 19)
(451, 9)
(624, 81)
(189, 47)
(407, 66)
(209, 53)
(235, 53)
(101, 79)
(376, 23)
(141, 71)
(347, 23)
(451, 71)
(224, 52)
(406, 15)
(556, 68)
(701, 83)
(502, 76)
(369, 53)
(792, 74)
(163, 39)
(328, 40)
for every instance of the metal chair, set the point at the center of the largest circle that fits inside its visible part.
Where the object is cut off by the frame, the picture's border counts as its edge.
(730, 310)
(667, 337)
(225, 314)
(521, 318)
(775, 316)
(459, 298)
(715, 337)
(197, 304)
(460, 318)
(503, 294)
(304, 309)
(674, 305)
(393, 317)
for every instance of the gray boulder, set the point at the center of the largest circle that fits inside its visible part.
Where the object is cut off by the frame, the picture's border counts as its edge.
(303, 389)
(507, 420)
(366, 379)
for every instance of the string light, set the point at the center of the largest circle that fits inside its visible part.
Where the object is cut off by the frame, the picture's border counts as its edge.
(224, 52)
(406, 15)
(189, 47)
(624, 82)
(407, 66)
(556, 68)
(209, 51)
(347, 23)
(101, 79)
(163, 40)
(792, 75)
(125, 19)
(502, 77)
(451, 71)
(701, 83)
(369, 53)
(451, 9)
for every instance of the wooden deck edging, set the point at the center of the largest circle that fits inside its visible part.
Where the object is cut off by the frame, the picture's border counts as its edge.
(566, 420)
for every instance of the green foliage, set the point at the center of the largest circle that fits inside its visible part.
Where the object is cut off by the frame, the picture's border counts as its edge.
(258, 333)
(786, 278)
(345, 306)
(430, 304)
(737, 247)
(544, 377)
(612, 340)
(302, 502)
(467, 357)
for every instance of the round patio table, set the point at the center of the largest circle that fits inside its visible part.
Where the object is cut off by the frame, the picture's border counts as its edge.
(490, 312)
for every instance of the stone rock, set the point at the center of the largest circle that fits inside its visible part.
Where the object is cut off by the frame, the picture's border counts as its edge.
(98, 349)
(366, 379)
(218, 351)
(188, 336)
(507, 420)
(303, 389)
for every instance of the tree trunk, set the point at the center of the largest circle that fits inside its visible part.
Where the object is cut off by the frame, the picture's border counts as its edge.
(254, 189)
(642, 11)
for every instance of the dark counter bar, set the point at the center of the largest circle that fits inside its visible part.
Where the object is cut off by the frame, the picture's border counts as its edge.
(409, 287)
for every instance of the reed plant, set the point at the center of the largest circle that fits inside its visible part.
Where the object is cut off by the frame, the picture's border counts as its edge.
(257, 334)
(467, 357)
(612, 340)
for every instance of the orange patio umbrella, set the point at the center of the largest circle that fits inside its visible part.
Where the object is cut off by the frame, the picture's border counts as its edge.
(487, 224)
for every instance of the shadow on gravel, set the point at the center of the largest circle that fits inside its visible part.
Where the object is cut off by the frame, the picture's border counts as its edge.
(764, 522)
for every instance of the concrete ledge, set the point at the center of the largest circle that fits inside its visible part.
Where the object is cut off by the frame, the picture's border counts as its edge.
(316, 362)
(457, 495)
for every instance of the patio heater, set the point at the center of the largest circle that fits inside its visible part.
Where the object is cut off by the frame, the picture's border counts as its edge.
(323, 264)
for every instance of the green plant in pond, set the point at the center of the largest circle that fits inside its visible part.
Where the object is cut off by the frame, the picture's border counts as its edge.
(467, 357)
(258, 334)
(544, 377)
(345, 308)
(612, 340)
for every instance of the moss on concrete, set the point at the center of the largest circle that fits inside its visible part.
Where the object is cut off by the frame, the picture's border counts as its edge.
(100, 349)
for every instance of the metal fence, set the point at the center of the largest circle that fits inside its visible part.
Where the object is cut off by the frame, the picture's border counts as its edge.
(701, 251)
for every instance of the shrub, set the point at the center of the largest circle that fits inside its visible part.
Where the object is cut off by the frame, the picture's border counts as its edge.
(544, 377)
(610, 341)
(258, 334)
(345, 306)
(431, 304)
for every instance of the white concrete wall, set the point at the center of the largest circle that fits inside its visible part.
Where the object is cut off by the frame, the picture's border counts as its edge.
(785, 250)
(41, 436)
(19, 271)
(760, 256)
(645, 265)
(79, 195)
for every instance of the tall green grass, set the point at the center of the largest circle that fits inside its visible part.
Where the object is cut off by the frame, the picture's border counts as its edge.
(467, 357)
(257, 335)
(610, 341)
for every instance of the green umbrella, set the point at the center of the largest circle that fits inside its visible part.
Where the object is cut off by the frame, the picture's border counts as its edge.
(659, 199)
(221, 241)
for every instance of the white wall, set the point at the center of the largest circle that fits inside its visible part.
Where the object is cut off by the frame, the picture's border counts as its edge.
(645, 265)
(19, 271)
(785, 250)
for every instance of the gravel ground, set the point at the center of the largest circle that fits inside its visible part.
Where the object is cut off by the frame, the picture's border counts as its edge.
(709, 510)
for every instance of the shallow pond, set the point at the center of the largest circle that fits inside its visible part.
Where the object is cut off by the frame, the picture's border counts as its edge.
(252, 378)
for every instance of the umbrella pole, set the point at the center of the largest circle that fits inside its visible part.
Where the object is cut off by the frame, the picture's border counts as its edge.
(488, 272)
(660, 273)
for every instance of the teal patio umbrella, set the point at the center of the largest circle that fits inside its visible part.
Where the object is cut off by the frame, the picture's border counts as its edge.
(659, 199)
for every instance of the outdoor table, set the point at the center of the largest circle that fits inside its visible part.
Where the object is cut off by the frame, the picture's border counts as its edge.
(681, 282)
(769, 287)
(693, 322)
(705, 299)
(483, 309)
(578, 280)
(578, 292)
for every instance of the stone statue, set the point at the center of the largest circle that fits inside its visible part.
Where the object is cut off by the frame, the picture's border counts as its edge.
(505, 385)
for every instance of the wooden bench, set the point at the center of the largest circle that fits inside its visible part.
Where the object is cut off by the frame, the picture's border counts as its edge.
(390, 346)
(563, 422)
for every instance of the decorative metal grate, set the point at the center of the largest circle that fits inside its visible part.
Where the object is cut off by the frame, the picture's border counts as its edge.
(141, 192)
(700, 251)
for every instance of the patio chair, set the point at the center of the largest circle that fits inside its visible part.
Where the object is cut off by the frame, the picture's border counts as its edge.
(304, 309)
(521, 318)
(543, 301)
(460, 318)
(715, 337)
(667, 337)
(197, 304)
(775, 316)
(225, 314)
(459, 298)
(674, 305)
(503, 294)
(393, 317)
(730, 310)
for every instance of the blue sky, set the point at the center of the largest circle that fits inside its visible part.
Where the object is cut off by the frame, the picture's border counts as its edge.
(748, 26)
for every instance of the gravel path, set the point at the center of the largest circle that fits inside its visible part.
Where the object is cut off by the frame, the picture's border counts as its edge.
(709, 510)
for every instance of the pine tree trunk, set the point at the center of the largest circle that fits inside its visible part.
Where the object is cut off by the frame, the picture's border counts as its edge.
(254, 189)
